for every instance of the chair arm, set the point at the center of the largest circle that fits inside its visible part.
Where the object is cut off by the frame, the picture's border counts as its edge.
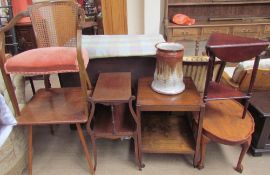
(6, 28)
(14, 21)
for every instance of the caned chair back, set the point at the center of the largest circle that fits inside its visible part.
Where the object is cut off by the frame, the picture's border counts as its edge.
(55, 24)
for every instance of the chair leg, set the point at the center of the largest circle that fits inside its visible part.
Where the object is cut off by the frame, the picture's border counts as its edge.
(245, 146)
(30, 146)
(32, 85)
(203, 143)
(87, 154)
(93, 141)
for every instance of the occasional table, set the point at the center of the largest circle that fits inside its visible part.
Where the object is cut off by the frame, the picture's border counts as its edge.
(112, 115)
(163, 133)
(260, 109)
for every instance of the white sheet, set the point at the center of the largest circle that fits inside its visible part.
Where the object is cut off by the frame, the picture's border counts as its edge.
(104, 46)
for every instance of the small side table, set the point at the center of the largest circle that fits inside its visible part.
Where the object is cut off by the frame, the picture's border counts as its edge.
(114, 116)
(260, 110)
(168, 134)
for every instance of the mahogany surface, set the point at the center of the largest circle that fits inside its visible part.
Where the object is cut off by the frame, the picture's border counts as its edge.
(112, 87)
(112, 115)
(147, 99)
(220, 91)
(223, 122)
(231, 48)
(174, 139)
(54, 106)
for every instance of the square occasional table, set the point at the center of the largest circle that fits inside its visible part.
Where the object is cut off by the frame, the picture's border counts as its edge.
(163, 133)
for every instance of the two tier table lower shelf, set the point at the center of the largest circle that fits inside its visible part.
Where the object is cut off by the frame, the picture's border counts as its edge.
(162, 132)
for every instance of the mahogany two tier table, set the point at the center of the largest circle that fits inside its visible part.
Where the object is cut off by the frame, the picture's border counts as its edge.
(160, 130)
(112, 115)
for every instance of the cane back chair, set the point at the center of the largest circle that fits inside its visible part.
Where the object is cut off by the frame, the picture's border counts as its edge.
(57, 27)
(227, 121)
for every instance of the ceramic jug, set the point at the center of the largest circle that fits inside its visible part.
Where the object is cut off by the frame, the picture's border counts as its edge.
(168, 76)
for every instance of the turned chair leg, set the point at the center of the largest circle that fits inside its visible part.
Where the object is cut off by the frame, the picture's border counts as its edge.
(245, 146)
(87, 154)
(30, 146)
(203, 143)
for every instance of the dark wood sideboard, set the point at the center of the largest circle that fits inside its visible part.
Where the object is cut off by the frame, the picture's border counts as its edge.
(238, 17)
(260, 109)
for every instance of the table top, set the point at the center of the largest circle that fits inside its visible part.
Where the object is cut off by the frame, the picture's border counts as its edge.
(261, 102)
(113, 87)
(149, 100)
(230, 48)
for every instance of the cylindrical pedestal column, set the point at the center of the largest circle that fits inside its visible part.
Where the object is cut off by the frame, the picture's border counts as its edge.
(168, 77)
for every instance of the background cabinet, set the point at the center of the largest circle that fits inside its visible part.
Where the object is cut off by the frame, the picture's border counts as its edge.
(238, 17)
(25, 36)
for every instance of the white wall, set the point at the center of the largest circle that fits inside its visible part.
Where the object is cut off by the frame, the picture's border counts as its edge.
(145, 16)
(151, 16)
(135, 16)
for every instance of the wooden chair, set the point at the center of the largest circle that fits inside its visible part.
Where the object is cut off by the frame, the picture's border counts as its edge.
(196, 68)
(227, 121)
(57, 27)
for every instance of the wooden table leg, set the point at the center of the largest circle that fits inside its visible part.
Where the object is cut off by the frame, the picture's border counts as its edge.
(245, 146)
(135, 135)
(196, 159)
(139, 128)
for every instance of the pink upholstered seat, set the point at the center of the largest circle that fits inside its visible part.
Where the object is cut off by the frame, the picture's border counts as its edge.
(47, 60)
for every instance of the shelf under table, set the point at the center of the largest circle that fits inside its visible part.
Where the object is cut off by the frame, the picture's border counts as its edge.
(166, 134)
